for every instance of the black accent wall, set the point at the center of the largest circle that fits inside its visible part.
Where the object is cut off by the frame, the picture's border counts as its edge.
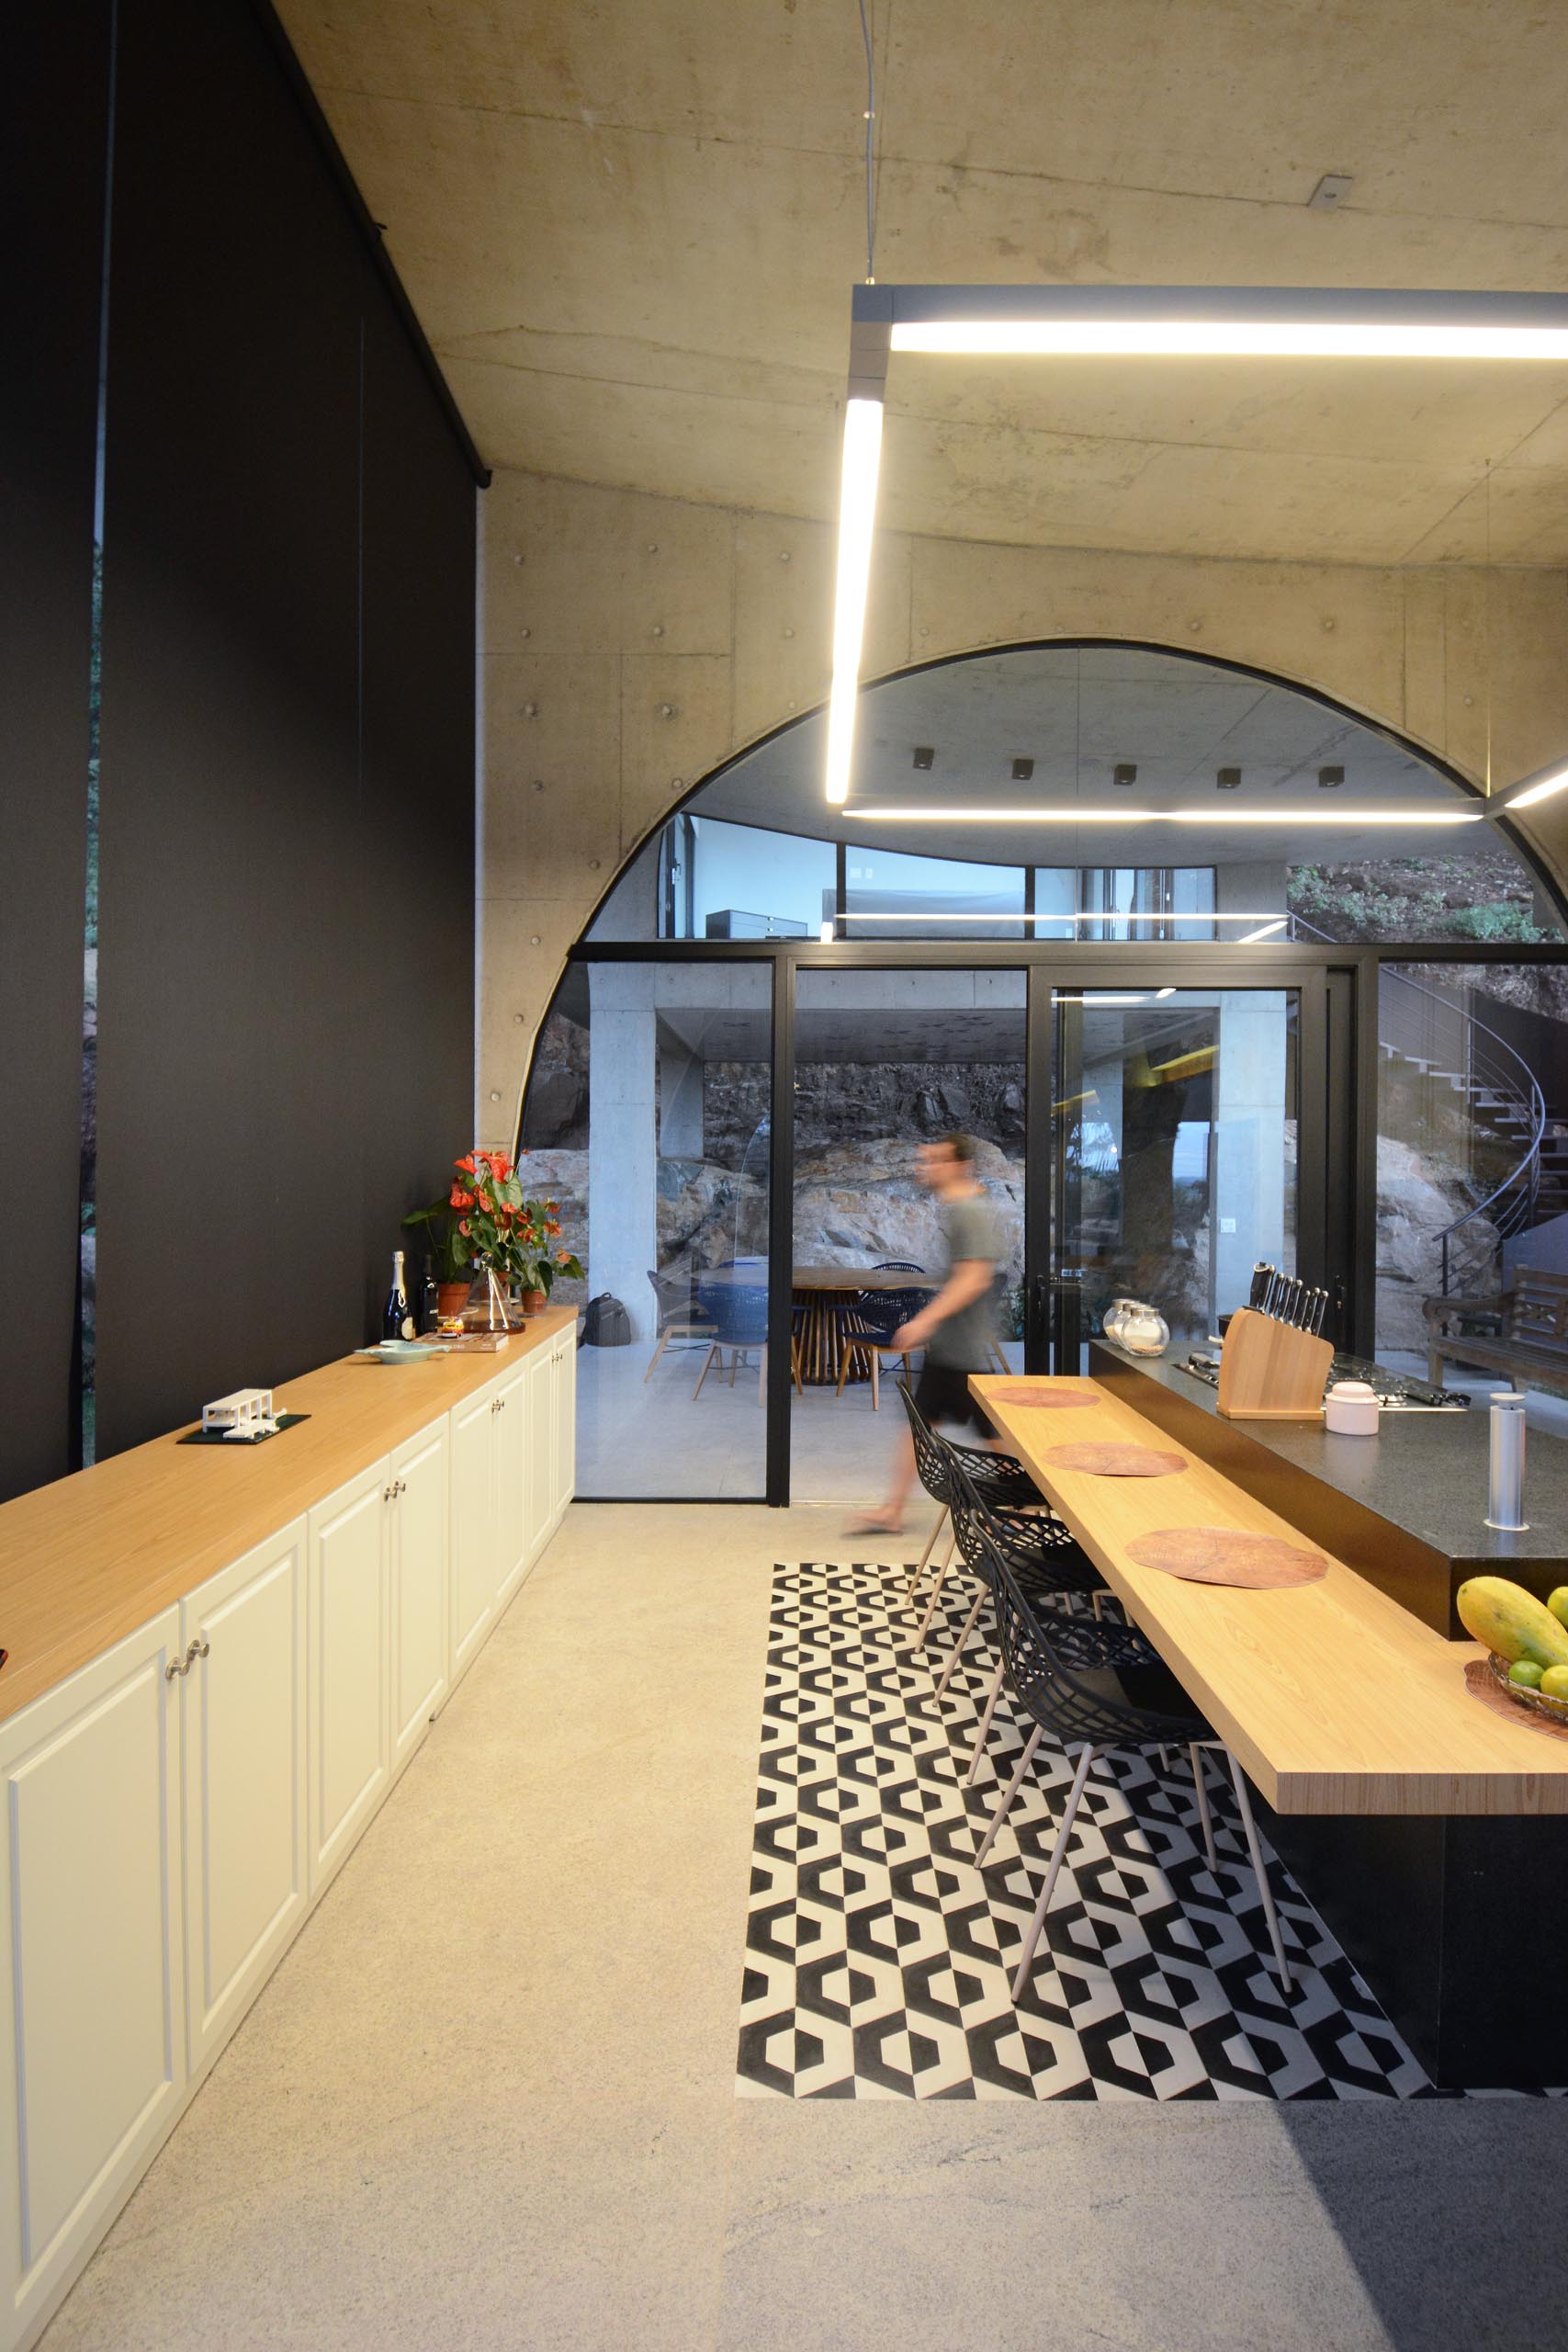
(286, 808)
(54, 118)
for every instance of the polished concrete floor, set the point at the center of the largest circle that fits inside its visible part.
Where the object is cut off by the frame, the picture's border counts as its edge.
(488, 2100)
(638, 1437)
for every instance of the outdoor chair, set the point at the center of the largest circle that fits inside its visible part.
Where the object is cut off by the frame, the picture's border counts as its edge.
(868, 1324)
(678, 1315)
(737, 1314)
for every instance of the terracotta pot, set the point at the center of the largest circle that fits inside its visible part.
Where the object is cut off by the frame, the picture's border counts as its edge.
(535, 1302)
(451, 1297)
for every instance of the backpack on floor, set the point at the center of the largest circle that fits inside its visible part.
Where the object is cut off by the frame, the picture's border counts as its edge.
(606, 1323)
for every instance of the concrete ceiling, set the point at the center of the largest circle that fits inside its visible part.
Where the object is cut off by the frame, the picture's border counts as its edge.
(1078, 714)
(630, 231)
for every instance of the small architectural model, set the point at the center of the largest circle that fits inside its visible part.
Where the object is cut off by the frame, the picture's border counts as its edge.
(246, 1414)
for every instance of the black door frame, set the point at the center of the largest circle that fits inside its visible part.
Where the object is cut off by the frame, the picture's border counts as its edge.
(1339, 1063)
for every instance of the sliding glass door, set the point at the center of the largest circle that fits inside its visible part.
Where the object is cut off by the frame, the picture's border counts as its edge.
(1176, 1139)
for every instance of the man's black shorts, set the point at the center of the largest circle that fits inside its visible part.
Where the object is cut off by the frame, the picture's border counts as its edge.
(941, 1392)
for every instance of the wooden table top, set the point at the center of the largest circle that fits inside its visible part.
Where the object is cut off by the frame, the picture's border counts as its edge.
(88, 1559)
(1335, 1699)
(825, 1278)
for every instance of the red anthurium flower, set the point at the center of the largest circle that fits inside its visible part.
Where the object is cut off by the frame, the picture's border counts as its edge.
(465, 1164)
(459, 1199)
(464, 1227)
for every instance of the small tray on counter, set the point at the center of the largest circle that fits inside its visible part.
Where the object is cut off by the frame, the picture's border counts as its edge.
(242, 1445)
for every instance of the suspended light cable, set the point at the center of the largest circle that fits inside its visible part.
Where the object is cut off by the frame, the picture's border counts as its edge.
(870, 135)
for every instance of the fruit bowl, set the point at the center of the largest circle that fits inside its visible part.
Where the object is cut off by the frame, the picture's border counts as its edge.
(1554, 1710)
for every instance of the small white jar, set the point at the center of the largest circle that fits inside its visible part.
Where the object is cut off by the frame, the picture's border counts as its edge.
(1351, 1409)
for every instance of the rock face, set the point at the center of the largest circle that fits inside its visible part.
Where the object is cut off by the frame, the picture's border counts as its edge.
(855, 1203)
(860, 1104)
(1416, 1198)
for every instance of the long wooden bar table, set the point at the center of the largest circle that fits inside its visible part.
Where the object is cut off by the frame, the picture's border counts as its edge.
(1430, 1831)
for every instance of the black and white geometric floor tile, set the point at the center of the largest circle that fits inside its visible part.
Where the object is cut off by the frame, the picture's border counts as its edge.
(879, 1955)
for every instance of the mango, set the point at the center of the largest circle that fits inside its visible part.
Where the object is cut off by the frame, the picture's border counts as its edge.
(1554, 1682)
(1558, 1603)
(1525, 1672)
(1511, 1621)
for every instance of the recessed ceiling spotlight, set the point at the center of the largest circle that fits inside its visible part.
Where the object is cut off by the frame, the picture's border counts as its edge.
(1022, 770)
(1228, 779)
(1124, 772)
(924, 756)
(1330, 779)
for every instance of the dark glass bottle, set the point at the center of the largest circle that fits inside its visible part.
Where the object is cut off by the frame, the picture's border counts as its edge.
(429, 1301)
(397, 1323)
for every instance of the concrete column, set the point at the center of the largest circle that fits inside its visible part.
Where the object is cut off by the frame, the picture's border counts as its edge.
(680, 1100)
(1249, 1132)
(623, 1159)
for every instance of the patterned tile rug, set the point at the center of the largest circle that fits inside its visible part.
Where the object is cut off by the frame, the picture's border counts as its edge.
(877, 1954)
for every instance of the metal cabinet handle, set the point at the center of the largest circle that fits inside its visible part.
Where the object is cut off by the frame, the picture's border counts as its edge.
(200, 1647)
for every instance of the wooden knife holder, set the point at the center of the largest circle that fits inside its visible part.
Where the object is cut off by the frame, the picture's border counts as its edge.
(1272, 1371)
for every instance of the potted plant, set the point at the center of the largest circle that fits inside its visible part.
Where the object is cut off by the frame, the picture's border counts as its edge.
(486, 1220)
(451, 1252)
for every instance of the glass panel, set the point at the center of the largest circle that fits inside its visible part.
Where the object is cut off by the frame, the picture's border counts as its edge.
(1473, 1144)
(896, 896)
(1176, 1148)
(884, 1062)
(1482, 891)
(646, 1118)
(747, 884)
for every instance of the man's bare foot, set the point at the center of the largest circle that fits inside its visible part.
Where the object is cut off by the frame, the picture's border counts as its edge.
(875, 1522)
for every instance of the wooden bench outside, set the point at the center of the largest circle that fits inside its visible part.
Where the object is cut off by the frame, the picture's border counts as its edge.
(1522, 1332)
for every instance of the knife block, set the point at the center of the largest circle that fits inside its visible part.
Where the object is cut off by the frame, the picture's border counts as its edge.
(1272, 1371)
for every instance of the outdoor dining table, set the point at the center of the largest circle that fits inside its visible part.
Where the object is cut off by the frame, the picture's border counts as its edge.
(821, 1293)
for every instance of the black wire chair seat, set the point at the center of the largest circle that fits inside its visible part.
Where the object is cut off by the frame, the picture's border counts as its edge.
(869, 1320)
(1101, 1687)
(1047, 1560)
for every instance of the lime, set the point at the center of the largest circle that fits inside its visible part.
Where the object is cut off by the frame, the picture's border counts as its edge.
(1529, 1675)
(1554, 1683)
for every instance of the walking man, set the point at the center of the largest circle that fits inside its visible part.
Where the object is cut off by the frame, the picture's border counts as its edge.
(955, 1328)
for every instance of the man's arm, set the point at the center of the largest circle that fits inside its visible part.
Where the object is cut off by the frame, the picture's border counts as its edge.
(971, 1278)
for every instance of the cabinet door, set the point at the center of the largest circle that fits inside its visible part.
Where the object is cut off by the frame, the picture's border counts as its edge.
(474, 1577)
(350, 1752)
(540, 1416)
(514, 1466)
(243, 1750)
(564, 1421)
(91, 1979)
(419, 1601)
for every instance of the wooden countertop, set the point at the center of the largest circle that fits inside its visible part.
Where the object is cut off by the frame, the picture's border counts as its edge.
(1335, 1699)
(86, 1560)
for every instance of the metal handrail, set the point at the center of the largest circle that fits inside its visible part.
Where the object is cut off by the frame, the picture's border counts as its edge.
(1522, 1182)
(1482, 1069)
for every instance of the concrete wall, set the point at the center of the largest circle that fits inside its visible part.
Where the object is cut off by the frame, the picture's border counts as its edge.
(632, 643)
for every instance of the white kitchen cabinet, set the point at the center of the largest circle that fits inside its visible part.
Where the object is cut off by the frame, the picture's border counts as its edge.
(243, 1745)
(92, 1963)
(563, 1359)
(473, 1528)
(513, 1470)
(348, 1642)
(539, 1375)
(420, 1553)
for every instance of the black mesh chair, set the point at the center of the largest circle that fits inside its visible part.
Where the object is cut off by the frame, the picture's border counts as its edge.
(680, 1317)
(1046, 1558)
(869, 1323)
(996, 1478)
(1099, 1686)
(898, 1266)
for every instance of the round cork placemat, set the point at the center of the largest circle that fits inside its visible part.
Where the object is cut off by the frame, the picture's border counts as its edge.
(1050, 1400)
(1480, 1683)
(1106, 1460)
(1227, 1555)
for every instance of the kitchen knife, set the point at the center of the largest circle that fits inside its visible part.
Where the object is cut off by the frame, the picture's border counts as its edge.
(1260, 1274)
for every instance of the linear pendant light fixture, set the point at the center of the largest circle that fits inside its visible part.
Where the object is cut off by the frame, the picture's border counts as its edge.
(1138, 321)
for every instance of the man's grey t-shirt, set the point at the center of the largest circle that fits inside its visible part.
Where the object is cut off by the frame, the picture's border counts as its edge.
(969, 1231)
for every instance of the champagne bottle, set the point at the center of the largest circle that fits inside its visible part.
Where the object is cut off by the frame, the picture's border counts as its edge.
(397, 1323)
